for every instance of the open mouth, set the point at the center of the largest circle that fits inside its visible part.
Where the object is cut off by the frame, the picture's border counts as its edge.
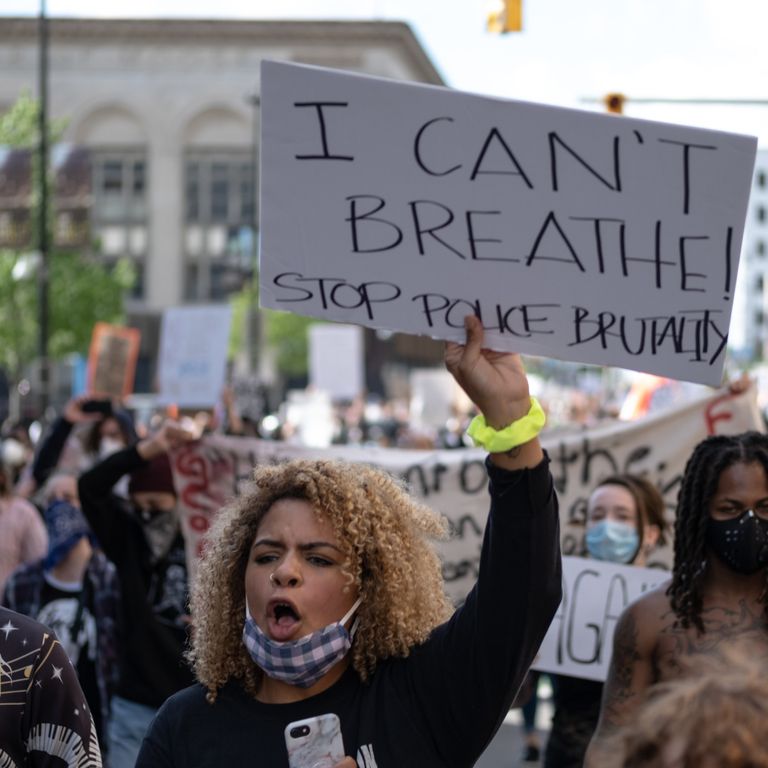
(284, 614)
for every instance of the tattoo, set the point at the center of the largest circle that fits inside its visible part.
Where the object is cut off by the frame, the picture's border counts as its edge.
(513, 453)
(741, 626)
(618, 688)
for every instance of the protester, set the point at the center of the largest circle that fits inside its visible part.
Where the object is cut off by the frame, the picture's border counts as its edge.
(22, 533)
(45, 719)
(625, 522)
(143, 538)
(74, 591)
(715, 717)
(529, 709)
(97, 434)
(716, 600)
(337, 557)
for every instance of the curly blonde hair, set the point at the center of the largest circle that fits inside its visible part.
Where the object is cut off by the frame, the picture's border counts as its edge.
(715, 716)
(390, 560)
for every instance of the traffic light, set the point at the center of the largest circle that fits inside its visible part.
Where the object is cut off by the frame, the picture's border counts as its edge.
(614, 102)
(509, 17)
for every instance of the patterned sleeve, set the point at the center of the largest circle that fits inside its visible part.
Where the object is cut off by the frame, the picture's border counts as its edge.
(49, 724)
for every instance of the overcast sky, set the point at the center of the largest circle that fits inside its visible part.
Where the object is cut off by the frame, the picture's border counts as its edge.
(567, 52)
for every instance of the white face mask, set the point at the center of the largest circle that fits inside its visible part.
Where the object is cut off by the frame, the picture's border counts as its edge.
(108, 446)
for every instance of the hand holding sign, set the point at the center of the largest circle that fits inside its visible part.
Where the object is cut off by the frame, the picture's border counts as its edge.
(496, 383)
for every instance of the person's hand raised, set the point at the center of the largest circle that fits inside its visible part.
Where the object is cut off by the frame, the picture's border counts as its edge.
(494, 381)
(170, 435)
(497, 384)
(73, 411)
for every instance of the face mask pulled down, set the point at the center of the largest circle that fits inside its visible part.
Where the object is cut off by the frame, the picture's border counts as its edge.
(741, 543)
(304, 661)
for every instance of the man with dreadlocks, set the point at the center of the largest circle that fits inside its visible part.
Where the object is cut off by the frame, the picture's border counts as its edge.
(716, 604)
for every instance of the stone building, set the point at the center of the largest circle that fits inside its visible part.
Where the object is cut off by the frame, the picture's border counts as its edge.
(168, 111)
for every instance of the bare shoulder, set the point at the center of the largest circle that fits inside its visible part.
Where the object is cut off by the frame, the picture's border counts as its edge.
(648, 615)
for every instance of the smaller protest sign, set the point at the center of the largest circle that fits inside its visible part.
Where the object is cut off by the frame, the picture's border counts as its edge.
(336, 360)
(193, 355)
(112, 360)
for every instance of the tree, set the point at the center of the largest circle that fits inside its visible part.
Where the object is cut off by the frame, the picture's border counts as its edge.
(286, 333)
(82, 290)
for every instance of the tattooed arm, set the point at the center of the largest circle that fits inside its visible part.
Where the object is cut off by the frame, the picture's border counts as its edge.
(631, 671)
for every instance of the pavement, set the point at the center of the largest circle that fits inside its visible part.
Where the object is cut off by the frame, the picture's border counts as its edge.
(506, 749)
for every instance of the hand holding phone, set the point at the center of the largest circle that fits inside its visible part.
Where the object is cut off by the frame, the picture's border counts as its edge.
(315, 742)
(103, 407)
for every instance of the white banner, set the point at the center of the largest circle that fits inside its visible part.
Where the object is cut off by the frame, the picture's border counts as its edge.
(571, 234)
(208, 473)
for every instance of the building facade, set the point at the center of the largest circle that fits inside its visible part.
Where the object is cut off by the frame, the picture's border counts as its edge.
(748, 337)
(168, 111)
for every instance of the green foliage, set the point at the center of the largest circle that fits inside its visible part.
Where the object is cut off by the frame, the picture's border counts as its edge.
(285, 332)
(289, 335)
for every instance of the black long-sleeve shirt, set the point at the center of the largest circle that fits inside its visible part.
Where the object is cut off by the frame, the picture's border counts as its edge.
(155, 631)
(440, 706)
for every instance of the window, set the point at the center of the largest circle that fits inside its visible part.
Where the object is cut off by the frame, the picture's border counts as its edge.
(119, 185)
(760, 179)
(220, 218)
(119, 219)
(760, 247)
(219, 187)
(760, 213)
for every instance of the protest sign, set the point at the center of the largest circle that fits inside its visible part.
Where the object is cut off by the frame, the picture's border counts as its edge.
(336, 360)
(580, 639)
(193, 355)
(112, 360)
(208, 473)
(571, 234)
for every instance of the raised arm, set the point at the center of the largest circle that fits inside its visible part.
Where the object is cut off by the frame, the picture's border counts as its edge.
(496, 383)
(629, 675)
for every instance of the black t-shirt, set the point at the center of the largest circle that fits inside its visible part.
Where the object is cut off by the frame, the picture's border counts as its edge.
(64, 607)
(438, 707)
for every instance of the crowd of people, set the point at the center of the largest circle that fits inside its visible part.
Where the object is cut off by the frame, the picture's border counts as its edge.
(320, 590)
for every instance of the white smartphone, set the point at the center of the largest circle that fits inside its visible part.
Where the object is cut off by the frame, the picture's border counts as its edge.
(315, 742)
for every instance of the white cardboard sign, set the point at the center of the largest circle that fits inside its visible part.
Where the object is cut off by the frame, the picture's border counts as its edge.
(579, 641)
(193, 355)
(571, 234)
(336, 360)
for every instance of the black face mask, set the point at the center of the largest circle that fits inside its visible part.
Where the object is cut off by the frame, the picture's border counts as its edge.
(741, 543)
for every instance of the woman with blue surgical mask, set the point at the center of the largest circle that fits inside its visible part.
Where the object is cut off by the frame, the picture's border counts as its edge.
(624, 524)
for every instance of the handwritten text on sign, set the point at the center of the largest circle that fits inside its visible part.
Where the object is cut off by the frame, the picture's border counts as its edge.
(580, 639)
(571, 234)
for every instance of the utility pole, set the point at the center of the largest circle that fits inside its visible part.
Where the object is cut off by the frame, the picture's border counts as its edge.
(42, 223)
(254, 319)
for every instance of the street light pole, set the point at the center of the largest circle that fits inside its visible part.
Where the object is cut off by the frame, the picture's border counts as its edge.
(254, 318)
(42, 224)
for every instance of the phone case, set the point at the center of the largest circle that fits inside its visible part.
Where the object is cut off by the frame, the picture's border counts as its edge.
(315, 742)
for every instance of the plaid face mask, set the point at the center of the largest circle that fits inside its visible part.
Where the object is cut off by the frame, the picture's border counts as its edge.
(304, 661)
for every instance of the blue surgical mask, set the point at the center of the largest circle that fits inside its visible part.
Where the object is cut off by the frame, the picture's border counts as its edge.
(613, 541)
